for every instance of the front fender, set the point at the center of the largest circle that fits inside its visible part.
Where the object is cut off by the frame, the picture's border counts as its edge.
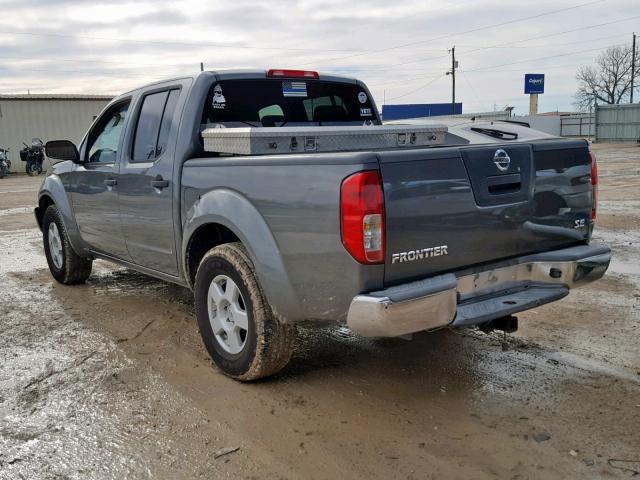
(53, 188)
(234, 211)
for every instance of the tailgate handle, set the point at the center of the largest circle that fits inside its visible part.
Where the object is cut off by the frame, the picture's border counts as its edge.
(504, 184)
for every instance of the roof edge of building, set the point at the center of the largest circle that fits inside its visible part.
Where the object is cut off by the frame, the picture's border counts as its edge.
(54, 96)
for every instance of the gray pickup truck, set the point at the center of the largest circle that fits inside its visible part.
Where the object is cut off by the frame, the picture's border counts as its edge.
(487, 220)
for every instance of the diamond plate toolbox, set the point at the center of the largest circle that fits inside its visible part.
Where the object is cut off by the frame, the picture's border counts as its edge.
(275, 140)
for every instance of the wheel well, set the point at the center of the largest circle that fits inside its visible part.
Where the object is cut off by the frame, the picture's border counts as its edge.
(204, 239)
(44, 203)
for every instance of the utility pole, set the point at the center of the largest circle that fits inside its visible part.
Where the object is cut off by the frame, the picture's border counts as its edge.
(452, 72)
(201, 67)
(453, 80)
(591, 102)
(595, 117)
(633, 65)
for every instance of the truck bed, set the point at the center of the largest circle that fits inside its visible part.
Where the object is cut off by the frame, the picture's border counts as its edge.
(446, 209)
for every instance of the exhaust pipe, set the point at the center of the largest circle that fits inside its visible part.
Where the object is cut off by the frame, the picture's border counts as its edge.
(508, 324)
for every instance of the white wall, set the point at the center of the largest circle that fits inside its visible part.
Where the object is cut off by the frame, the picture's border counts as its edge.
(544, 123)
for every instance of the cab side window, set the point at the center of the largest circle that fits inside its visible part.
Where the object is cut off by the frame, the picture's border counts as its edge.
(105, 137)
(167, 121)
(154, 125)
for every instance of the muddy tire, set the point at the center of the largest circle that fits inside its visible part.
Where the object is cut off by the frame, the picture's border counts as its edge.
(65, 265)
(242, 335)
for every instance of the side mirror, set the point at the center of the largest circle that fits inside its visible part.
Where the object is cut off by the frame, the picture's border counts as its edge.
(62, 150)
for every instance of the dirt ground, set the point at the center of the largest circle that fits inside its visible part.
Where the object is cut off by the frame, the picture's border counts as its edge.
(110, 379)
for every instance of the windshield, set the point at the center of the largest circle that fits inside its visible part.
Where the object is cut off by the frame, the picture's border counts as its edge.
(275, 103)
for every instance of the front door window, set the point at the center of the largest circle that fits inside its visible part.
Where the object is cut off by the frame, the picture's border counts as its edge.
(105, 138)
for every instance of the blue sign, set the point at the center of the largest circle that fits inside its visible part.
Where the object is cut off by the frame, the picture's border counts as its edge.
(417, 110)
(534, 83)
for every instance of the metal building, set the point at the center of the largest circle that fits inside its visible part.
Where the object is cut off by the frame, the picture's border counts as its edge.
(618, 123)
(48, 117)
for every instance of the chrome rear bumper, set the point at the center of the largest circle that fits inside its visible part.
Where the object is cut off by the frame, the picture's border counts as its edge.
(476, 296)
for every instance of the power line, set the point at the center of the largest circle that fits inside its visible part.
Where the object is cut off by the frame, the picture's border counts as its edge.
(552, 35)
(579, 42)
(469, 52)
(544, 45)
(419, 88)
(363, 53)
(449, 35)
(160, 42)
(473, 90)
(404, 80)
(432, 78)
(95, 61)
(491, 68)
(190, 64)
(408, 80)
(519, 70)
(83, 72)
(541, 58)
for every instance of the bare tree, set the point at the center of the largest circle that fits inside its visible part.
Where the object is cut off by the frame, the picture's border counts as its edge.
(609, 80)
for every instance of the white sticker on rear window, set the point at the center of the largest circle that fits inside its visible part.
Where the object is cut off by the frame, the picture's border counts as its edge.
(362, 97)
(365, 112)
(218, 99)
(294, 89)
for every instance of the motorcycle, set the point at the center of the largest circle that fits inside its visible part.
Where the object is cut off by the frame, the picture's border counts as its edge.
(33, 156)
(5, 163)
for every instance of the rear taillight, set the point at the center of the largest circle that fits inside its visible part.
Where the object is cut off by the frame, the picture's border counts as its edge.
(594, 184)
(362, 216)
(292, 73)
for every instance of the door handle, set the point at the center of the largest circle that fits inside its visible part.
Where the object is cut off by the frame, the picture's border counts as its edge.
(110, 182)
(159, 182)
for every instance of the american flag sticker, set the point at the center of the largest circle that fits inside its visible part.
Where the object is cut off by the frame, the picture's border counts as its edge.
(294, 89)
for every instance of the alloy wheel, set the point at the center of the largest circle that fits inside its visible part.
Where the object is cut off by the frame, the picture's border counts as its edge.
(55, 245)
(227, 314)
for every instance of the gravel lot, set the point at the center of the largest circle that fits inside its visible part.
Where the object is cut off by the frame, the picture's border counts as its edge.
(110, 380)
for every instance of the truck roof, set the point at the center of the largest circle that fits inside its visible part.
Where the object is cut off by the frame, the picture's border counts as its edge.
(238, 74)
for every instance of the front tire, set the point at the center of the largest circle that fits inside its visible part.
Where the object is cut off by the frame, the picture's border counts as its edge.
(65, 265)
(239, 330)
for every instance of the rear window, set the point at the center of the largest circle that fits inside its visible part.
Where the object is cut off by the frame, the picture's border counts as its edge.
(275, 103)
(154, 124)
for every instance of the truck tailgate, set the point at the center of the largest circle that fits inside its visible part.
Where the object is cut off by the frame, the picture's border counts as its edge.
(451, 208)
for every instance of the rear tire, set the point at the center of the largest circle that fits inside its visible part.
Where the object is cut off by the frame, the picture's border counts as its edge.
(65, 265)
(239, 330)
(32, 169)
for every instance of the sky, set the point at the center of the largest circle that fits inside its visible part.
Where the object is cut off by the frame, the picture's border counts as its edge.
(400, 49)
